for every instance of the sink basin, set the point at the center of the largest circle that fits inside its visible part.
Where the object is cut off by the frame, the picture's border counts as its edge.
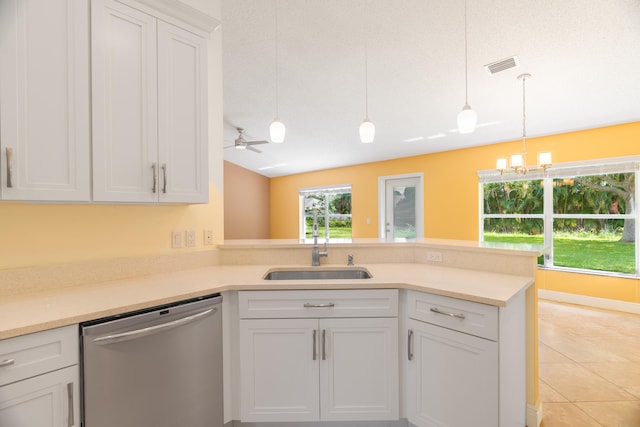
(318, 274)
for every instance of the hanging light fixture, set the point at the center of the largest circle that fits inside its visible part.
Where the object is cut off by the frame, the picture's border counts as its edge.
(277, 128)
(519, 161)
(467, 118)
(367, 128)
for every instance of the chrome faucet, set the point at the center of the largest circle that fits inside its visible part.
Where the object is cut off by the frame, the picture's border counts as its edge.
(315, 252)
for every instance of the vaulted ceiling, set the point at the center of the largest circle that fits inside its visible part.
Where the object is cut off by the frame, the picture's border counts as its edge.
(583, 55)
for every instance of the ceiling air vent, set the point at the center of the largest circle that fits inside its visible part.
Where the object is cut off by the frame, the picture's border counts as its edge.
(501, 65)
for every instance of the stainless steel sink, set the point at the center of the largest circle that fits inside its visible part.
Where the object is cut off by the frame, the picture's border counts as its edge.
(317, 274)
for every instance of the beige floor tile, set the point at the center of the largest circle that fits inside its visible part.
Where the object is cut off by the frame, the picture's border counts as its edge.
(585, 349)
(548, 394)
(577, 383)
(626, 375)
(613, 414)
(548, 355)
(566, 415)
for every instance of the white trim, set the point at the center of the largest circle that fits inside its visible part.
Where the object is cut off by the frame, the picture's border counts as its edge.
(534, 415)
(608, 304)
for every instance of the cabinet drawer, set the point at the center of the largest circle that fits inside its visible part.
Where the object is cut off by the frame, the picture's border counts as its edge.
(469, 317)
(318, 304)
(34, 354)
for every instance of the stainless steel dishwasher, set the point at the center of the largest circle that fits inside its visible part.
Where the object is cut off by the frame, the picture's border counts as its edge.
(155, 368)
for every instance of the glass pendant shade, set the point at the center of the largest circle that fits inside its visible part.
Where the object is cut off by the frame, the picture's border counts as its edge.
(516, 161)
(277, 131)
(367, 131)
(544, 159)
(501, 164)
(467, 119)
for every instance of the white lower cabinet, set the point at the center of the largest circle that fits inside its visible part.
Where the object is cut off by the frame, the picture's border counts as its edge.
(452, 378)
(465, 362)
(318, 369)
(48, 400)
(39, 379)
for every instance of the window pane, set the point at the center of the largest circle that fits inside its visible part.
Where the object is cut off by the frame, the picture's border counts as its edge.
(338, 223)
(404, 212)
(516, 197)
(592, 251)
(502, 230)
(594, 194)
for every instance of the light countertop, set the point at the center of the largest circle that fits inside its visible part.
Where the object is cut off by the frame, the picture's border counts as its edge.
(23, 314)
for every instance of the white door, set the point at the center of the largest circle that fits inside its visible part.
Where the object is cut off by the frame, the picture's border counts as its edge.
(401, 204)
(452, 378)
(279, 370)
(44, 100)
(124, 101)
(48, 400)
(182, 114)
(359, 369)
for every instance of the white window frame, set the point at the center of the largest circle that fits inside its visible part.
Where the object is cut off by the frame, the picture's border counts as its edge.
(567, 170)
(327, 190)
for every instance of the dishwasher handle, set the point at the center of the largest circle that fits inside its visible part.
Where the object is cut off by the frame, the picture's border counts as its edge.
(143, 332)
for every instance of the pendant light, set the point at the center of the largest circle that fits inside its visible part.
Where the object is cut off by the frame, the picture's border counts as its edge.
(367, 128)
(277, 128)
(467, 118)
(519, 161)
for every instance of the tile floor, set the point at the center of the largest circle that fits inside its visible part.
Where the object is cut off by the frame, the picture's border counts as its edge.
(589, 366)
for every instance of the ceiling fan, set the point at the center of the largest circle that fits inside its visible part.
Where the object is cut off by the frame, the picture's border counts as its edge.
(242, 144)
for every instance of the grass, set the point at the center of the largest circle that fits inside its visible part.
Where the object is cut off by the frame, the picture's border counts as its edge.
(587, 251)
(334, 233)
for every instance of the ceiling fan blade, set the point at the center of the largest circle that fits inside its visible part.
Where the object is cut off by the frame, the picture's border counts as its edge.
(256, 142)
(253, 149)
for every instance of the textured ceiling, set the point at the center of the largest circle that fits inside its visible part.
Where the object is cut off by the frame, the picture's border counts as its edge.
(584, 56)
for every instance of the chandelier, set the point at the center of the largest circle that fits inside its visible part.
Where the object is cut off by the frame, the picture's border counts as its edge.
(519, 161)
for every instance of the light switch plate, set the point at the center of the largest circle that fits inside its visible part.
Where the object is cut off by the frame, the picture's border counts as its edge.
(191, 238)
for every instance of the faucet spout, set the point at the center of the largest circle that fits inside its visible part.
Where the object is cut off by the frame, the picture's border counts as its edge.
(316, 254)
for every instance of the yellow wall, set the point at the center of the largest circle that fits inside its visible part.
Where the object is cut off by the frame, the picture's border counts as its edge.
(451, 194)
(37, 234)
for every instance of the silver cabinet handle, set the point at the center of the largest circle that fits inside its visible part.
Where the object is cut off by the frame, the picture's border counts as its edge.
(70, 421)
(7, 362)
(155, 177)
(324, 344)
(315, 349)
(410, 345)
(9, 152)
(324, 305)
(139, 333)
(446, 313)
(164, 178)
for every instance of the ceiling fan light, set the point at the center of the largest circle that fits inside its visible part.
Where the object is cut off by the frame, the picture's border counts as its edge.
(467, 119)
(241, 146)
(277, 131)
(367, 131)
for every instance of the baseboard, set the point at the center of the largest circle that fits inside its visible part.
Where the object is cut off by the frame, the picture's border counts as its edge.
(534, 415)
(609, 304)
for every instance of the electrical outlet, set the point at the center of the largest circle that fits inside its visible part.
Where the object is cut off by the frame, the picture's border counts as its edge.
(208, 237)
(176, 239)
(434, 256)
(191, 238)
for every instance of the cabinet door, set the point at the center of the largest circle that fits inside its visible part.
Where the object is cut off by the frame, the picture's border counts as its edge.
(452, 378)
(279, 370)
(124, 101)
(359, 369)
(182, 113)
(48, 400)
(44, 107)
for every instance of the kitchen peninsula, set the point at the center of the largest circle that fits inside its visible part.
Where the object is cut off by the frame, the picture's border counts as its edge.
(468, 272)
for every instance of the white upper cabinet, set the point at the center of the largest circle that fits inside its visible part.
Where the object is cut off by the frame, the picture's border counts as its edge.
(149, 104)
(44, 102)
